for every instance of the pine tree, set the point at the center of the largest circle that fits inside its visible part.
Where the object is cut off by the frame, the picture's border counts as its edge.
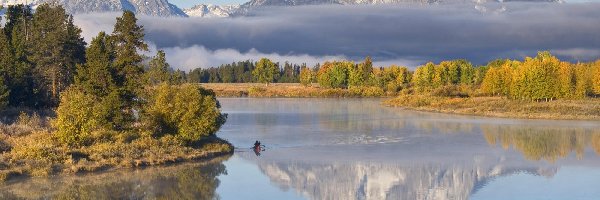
(159, 71)
(178, 77)
(16, 15)
(6, 58)
(366, 69)
(128, 39)
(95, 77)
(5, 64)
(20, 73)
(4, 93)
(74, 43)
(53, 56)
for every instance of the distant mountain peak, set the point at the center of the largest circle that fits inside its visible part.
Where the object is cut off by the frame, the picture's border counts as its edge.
(210, 10)
(163, 8)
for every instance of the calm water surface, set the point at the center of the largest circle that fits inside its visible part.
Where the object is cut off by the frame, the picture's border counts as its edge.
(358, 149)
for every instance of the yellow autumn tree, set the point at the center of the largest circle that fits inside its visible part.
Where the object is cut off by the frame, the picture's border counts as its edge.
(596, 77)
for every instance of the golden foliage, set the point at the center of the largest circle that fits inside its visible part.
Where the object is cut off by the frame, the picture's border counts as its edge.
(189, 111)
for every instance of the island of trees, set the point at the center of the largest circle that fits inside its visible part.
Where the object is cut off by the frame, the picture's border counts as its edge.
(69, 108)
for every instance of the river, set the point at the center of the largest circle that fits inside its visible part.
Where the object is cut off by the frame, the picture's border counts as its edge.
(357, 149)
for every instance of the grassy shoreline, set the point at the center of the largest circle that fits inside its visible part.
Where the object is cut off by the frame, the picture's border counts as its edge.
(289, 90)
(585, 109)
(29, 147)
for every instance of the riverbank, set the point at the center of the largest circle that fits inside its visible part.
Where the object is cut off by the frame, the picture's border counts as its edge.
(585, 109)
(290, 90)
(30, 148)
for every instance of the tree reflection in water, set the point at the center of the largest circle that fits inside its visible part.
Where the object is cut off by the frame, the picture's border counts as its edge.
(543, 143)
(186, 181)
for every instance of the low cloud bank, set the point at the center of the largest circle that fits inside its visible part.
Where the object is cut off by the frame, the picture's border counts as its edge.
(408, 35)
(197, 56)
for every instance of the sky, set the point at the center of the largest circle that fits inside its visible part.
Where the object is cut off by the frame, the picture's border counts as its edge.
(400, 35)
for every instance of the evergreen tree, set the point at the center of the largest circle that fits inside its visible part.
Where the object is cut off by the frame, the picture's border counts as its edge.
(74, 44)
(4, 65)
(128, 39)
(16, 15)
(56, 48)
(4, 93)
(95, 77)
(265, 71)
(159, 71)
(20, 73)
(6, 57)
(178, 77)
(366, 69)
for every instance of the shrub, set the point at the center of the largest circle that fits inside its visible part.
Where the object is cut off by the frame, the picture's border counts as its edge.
(189, 111)
(34, 121)
(254, 90)
(449, 91)
(77, 117)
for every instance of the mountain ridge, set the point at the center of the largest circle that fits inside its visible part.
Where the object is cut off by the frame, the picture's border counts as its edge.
(159, 8)
(162, 8)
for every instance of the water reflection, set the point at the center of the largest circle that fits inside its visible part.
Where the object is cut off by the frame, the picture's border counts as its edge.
(186, 181)
(543, 143)
(357, 149)
(366, 180)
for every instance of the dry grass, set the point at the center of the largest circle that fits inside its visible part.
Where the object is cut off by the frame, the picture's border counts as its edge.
(293, 90)
(586, 109)
(28, 147)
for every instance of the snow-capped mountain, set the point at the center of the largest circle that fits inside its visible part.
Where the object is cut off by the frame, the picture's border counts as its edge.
(161, 8)
(260, 3)
(210, 10)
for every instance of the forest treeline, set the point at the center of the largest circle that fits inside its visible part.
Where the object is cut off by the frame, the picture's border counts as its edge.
(241, 72)
(543, 77)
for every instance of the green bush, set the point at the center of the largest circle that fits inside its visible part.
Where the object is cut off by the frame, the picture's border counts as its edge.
(188, 111)
(77, 117)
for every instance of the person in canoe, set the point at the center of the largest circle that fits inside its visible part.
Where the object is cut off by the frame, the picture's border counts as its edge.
(257, 148)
